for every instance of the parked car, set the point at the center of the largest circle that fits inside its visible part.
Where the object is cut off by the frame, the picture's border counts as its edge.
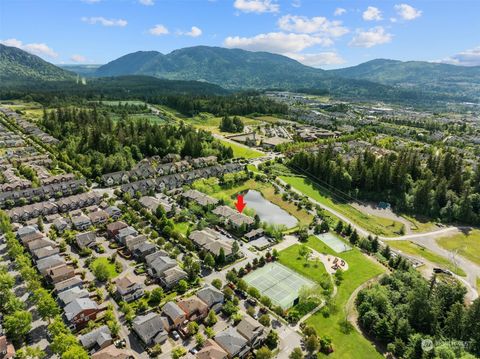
(175, 335)
(193, 351)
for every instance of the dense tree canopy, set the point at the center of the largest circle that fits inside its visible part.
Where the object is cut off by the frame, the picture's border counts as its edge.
(437, 184)
(99, 145)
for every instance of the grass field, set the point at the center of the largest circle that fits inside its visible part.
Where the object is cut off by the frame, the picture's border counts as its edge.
(112, 271)
(420, 225)
(241, 151)
(351, 344)
(414, 249)
(290, 258)
(468, 245)
(182, 227)
(211, 187)
(374, 224)
(208, 122)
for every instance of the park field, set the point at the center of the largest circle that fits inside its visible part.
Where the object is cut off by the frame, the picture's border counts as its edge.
(374, 224)
(414, 249)
(313, 270)
(467, 244)
(112, 271)
(240, 151)
(347, 344)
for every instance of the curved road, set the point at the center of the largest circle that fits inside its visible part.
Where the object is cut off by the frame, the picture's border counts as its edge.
(426, 240)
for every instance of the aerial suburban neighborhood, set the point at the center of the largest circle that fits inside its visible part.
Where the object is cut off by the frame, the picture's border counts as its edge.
(239, 179)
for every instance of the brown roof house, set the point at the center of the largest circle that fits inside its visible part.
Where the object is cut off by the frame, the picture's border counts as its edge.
(212, 350)
(112, 352)
(194, 308)
(114, 228)
(173, 312)
(60, 273)
(6, 348)
(128, 289)
(252, 330)
(80, 311)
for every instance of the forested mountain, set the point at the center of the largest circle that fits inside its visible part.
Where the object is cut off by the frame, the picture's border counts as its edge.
(240, 69)
(434, 77)
(18, 66)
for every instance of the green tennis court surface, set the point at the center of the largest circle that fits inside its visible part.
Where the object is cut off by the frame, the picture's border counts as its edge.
(279, 283)
(333, 242)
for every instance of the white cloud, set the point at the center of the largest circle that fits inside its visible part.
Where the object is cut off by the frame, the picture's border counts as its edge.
(469, 57)
(146, 2)
(78, 58)
(317, 60)
(277, 42)
(256, 6)
(39, 49)
(296, 3)
(194, 32)
(407, 12)
(339, 11)
(372, 13)
(371, 37)
(318, 24)
(104, 22)
(158, 30)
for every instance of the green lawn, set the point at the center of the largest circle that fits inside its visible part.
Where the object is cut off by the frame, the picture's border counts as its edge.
(414, 249)
(241, 151)
(468, 245)
(290, 258)
(374, 224)
(182, 227)
(112, 271)
(478, 283)
(361, 269)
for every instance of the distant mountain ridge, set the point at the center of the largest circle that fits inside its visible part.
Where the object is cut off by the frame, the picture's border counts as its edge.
(17, 66)
(429, 76)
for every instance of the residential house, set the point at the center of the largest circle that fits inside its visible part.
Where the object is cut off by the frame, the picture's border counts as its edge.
(112, 352)
(144, 249)
(233, 343)
(81, 222)
(173, 312)
(124, 233)
(43, 265)
(194, 308)
(26, 230)
(200, 198)
(115, 178)
(80, 311)
(61, 224)
(114, 212)
(30, 237)
(7, 350)
(172, 276)
(213, 242)
(60, 273)
(114, 228)
(232, 217)
(252, 330)
(211, 296)
(254, 234)
(44, 252)
(133, 241)
(128, 289)
(86, 240)
(40, 243)
(99, 338)
(211, 350)
(151, 328)
(68, 284)
(99, 217)
(71, 294)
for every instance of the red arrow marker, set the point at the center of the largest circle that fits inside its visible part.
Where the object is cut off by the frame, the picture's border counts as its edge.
(240, 204)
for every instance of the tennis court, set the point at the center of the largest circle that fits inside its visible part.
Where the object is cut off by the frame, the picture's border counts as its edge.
(279, 283)
(333, 242)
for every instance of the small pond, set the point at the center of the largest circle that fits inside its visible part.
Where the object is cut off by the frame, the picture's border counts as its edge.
(269, 212)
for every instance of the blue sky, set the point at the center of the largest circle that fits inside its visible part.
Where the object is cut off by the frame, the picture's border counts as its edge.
(321, 33)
